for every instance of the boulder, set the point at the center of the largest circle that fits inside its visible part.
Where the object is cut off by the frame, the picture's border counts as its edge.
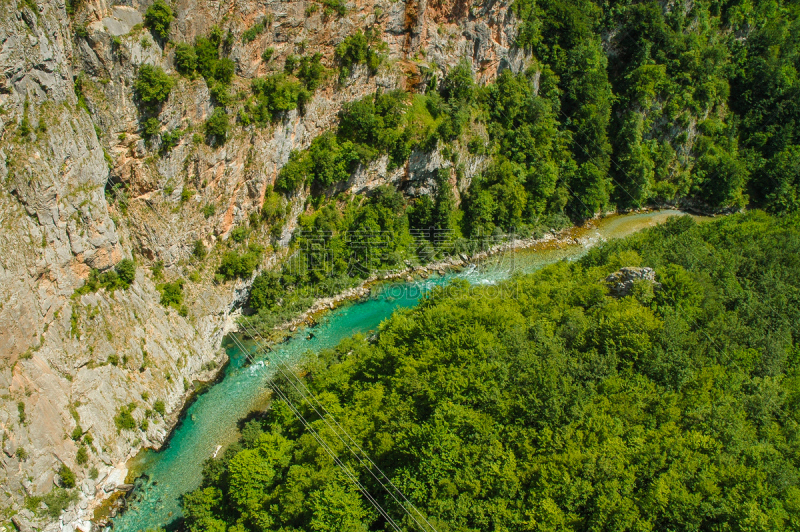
(621, 282)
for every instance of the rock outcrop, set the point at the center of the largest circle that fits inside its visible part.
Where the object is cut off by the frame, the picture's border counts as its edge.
(69, 364)
(621, 282)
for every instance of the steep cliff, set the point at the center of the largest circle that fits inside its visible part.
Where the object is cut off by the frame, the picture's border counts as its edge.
(82, 189)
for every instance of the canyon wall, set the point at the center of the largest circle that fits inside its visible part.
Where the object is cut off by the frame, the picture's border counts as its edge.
(72, 360)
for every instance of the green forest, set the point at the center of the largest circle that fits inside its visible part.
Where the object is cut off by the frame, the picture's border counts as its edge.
(624, 104)
(545, 403)
(621, 104)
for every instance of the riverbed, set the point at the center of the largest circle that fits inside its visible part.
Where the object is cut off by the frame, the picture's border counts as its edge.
(211, 421)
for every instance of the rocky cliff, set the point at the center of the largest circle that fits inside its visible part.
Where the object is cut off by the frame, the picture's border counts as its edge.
(71, 140)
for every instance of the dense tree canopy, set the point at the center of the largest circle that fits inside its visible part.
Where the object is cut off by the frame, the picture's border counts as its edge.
(622, 104)
(547, 404)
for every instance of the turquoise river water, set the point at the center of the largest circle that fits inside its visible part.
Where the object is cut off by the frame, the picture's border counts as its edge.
(211, 421)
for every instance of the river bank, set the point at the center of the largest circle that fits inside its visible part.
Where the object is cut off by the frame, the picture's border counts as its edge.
(213, 419)
(564, 237)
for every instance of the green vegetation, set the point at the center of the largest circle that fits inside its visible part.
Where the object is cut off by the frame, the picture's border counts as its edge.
(217, 125)
(124, 419)
(158, 17)
(208, 210)
(121, 277)
(274, 95)
(235, 265)
(204, 58)
(159, 408)
(672, 408)
(697, 104)
(172, 296)
(339, 244)
(391, 122)
(357, 49)
(24, 129)
(66, 477)
(185, 59)
(21, 412)
(169, 140)
(199, 250)
(260, 27)
(334, 6)
(152, 87)
(282, 92)
(82, 457)
(57, 500)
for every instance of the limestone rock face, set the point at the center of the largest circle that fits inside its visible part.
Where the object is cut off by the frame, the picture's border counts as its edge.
(81, 189)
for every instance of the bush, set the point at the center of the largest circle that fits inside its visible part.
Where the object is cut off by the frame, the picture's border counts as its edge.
(152, 85)
(266, 56)
(224, 70)
(58, 500)
(172, 293)
(291, 63)
(239, 266)
(273, 208)
(250, 34)
(159, 407)
(334, 6)
(169, 140)
(66, 477)
(207, 53)
(199, 250)
(82, 458)
(311, 71)
(185, 59)
(217, 125)
(126, 270)
(239, 234)
(355, 49)
(121, 277)
(77, 432)
(21, 412)
(277, 94)
(220, 95)
(151, 127)
(158, 17)
(208, 210)
(266, 291)
(124, 419)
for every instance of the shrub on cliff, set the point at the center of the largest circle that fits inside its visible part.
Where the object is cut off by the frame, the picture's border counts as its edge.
(172, 294)
(152, 86)
(239, 266)
(121, 277)
(185, 59)
(124, 419)
(217, 126)
(66, 477)
(266, 291)
(360, 48)
(158, 18)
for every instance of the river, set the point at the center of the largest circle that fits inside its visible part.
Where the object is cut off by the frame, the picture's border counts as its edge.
(212, 419)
